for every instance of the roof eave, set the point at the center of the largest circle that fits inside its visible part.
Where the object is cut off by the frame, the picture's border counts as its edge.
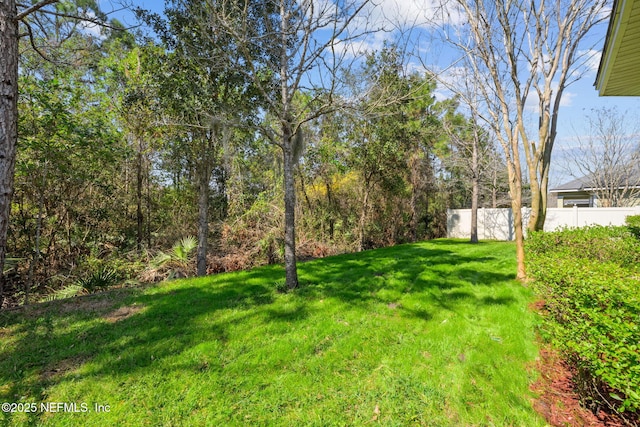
(604, 70)
(607, 80)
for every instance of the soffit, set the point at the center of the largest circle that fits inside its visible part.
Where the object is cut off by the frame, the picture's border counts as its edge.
(619, 73)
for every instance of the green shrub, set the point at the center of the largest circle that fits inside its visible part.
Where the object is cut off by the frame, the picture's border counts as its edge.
(590, 281)
(174, 264)
(99, 280)
(633, 224)
(601, 243)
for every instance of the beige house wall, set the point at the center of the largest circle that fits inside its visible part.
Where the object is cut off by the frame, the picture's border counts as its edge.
(564, 200)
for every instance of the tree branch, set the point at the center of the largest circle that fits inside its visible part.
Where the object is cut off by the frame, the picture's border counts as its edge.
(34, 8)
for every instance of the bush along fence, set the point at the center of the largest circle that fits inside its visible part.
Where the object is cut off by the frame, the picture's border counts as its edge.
(497, 224)
(589, 280)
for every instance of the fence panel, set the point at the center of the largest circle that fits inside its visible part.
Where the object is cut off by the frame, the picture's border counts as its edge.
(497, 224)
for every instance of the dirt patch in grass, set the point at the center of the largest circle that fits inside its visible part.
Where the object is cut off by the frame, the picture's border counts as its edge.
(89, 303)
(98, 303)
(62, 367)
(84, 303)
(122, 313)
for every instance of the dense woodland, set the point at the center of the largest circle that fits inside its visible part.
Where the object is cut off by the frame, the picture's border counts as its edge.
(127, 142)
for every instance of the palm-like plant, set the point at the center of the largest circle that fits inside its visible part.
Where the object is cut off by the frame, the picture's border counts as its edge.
(183, 249)
(177, 261)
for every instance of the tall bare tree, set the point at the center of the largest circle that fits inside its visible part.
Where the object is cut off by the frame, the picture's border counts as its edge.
(526, 52)
(290, 48)
(468, 154)
(471, 150)
(608, 158)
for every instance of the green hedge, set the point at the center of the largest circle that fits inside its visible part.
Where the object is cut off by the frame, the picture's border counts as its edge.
(633, 223)
(589, 279)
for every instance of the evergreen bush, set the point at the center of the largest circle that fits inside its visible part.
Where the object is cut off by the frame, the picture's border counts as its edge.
(589, 279)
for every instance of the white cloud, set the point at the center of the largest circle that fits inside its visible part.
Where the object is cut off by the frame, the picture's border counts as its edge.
(401, 14)
(531, 104)
(382, 20)
(91, 28)
(591, 59)
(456, 76)
(567, 98)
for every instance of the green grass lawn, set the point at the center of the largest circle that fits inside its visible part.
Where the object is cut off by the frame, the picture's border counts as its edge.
(435, 333)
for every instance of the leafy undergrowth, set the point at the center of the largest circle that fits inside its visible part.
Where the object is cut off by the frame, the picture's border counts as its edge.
(435, 333)
(589, 280)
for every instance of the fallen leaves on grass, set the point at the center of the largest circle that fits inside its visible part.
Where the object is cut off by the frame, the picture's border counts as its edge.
(376, 413)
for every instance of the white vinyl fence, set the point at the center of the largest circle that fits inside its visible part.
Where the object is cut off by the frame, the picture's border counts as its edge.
(497, 224)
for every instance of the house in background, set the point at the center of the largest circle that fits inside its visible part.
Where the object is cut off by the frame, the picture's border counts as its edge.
(574, 193)
(585, 192)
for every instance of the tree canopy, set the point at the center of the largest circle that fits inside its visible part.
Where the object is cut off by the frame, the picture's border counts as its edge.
(256, 127)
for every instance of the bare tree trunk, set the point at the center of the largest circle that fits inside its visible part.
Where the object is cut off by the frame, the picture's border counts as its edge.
(475, 170)
(204, 169)
(327, 185)
(413, 204)
(539, 181)
(363, 215)
(494, 190)
(516, 206)
(139, 215)
(474, 211)
(515, 189)
(303, 187)
(536, 201)
(413, 223)
(204, 173)
(544, 191)
(289, 210)
(8, 121)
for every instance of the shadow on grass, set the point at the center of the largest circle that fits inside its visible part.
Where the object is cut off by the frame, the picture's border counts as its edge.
(410, 269)
(58, 338)
(47, 349)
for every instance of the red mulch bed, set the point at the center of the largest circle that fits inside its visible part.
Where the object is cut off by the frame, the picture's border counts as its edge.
(558, 401)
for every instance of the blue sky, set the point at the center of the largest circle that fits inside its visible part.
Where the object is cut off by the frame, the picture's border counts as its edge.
(579, 99)
(574, 120)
